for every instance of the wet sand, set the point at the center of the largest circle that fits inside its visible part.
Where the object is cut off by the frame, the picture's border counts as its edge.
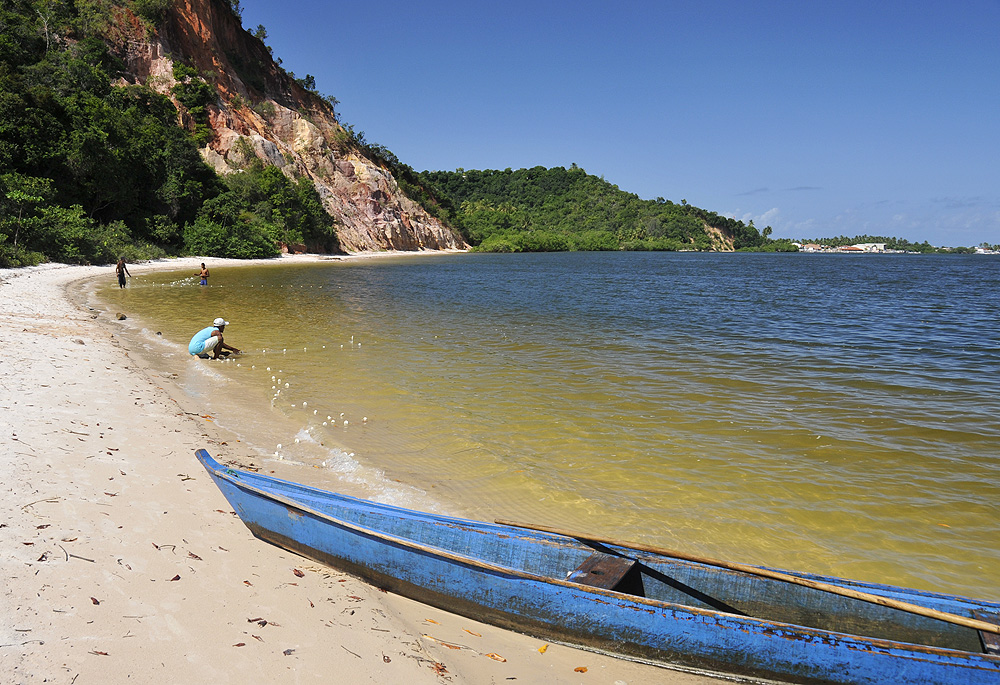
(123, 562)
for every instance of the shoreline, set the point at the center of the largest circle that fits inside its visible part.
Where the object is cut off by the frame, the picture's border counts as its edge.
(124, 561)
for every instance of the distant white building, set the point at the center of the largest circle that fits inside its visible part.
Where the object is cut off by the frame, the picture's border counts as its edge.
(871, 247)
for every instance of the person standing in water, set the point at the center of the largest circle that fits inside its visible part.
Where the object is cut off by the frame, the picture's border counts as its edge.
(203, 274)
(210, 339)
(122, 270)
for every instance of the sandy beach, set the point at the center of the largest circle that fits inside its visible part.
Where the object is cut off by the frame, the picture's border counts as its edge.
(124, 563)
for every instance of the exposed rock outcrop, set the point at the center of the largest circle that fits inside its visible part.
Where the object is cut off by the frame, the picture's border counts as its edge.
(722, 240)
(261, 112)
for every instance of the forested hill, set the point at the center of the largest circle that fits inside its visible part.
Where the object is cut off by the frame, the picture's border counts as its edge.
(539, 209)
(143, 128)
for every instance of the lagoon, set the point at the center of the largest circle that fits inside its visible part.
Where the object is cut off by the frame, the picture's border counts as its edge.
(830, 413)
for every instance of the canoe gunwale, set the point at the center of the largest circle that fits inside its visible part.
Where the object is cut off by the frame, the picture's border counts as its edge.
(850, 641)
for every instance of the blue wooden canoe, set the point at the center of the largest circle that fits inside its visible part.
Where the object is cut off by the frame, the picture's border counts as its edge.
(622, 600)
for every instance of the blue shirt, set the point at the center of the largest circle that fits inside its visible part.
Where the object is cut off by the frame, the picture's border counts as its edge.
(197, 343)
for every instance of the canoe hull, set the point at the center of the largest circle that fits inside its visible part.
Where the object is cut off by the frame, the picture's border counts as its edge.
(335, 530)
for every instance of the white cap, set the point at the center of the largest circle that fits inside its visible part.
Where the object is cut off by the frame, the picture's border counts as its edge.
(220, 322)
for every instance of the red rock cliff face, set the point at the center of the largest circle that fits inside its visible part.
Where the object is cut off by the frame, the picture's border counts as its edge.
(263, 113)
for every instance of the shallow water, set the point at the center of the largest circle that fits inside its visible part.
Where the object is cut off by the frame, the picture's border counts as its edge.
(836, 414)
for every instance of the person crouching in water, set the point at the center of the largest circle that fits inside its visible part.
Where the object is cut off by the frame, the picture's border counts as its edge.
(210, 340)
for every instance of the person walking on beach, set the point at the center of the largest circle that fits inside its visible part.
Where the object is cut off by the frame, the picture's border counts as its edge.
(209, 339)
(203, 274)
(121, 270)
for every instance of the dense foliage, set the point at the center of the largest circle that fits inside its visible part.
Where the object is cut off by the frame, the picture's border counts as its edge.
(259, 209)
(541, 210)
(90, 170)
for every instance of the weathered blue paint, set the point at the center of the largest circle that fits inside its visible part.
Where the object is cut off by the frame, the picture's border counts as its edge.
(686, 614)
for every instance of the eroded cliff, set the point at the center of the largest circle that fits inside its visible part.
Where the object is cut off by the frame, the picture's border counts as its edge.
(261, 112)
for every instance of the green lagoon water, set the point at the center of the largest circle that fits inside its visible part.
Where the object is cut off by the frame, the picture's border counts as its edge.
(834, 414)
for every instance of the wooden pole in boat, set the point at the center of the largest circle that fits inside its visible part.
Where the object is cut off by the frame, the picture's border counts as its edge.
(776, 575)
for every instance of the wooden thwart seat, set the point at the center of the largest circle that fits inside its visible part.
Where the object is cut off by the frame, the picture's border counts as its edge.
(991, 641)
(602, 570)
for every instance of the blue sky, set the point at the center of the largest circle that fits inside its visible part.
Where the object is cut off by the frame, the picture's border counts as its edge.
(818, 118)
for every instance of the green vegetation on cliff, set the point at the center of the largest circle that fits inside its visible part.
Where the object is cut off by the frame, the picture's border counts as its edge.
(90, 170)
(543, 210)
(260, 208)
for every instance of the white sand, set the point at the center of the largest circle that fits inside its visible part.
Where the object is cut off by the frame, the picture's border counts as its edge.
(122, 562)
